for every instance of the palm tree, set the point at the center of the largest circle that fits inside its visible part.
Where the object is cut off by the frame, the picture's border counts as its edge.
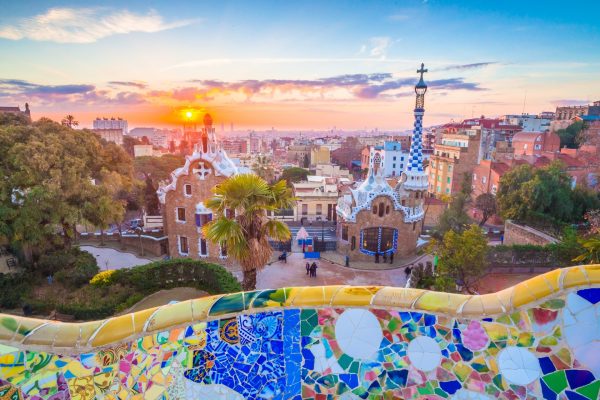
(591, 245)
(263, 168)
(69, 121)
(246, 234)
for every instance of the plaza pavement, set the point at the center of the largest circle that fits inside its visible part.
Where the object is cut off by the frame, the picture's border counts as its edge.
(293, 273)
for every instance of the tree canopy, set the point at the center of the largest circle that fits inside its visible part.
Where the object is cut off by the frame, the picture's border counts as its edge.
(294, 174)
(246, 233)
(462, 259)
(455, 217)
(53, 177)
(543, 194)
(570, 137)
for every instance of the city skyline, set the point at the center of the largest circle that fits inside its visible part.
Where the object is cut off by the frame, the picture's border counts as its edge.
(303, 66)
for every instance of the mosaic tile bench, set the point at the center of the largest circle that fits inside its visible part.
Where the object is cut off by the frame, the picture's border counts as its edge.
(539, 339)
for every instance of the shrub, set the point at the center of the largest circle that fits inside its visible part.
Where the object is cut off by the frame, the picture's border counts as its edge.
(104, 278)
(72, 267)
(13, 287)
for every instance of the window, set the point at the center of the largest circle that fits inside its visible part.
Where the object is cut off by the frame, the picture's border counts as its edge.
(387, 209)
(474, 177)
(187, 190)
(183, 246)
(381, 209)
(203, 219)
(319, 209)
(353, 243)
(345, 232)
(394, 159)
(223, 250)
(415, 224)
(203, 248)
(374, 209)
(449, 168)
(394, 166)
(304, 209)
(538, 146)
(180, 214)
(447, 190)
(448, 179)
(229, 213)
(484, 179)
(403, 202)
(378, 240)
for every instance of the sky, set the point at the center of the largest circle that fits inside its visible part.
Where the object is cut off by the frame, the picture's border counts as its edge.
(296, 64)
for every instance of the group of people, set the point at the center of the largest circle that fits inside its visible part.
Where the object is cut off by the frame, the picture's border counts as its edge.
(311, 269)
(385, 257)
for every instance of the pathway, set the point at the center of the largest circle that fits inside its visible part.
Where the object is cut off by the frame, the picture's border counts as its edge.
(293, 273)
(108, 258)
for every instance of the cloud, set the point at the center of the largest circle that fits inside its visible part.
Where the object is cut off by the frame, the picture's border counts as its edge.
(85, 25)
(17, 86)
(463, 67)
(383, 85)
(569, 102)
(139, 85)
(379, 45)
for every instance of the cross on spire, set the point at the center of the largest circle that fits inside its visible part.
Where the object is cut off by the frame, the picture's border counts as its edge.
(422, 70)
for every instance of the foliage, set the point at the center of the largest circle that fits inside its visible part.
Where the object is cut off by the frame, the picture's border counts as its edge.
(69, 121)
(455, 217)
(263, 167)
(593, 219)
(293, 174)
(591, 250)
(247, 234)
(462, 259)
(55, 177)
(72, 267)
(112, 291)
(103, 278)
(12, 288)
(128, 143)
(486, 203)
(150, 197)
(571, 136)
(528, 194)
(157, 168)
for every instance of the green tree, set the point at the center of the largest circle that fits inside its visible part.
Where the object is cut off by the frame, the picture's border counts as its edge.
(53, 178)
(69, 121)
(462, 259)
(150, 197)
(571, 136)
(455, 217)
(486, 203)
(528, 194)
(157, 168)
(264, 168)
(246, 234)
(293, 174)
(128, 143)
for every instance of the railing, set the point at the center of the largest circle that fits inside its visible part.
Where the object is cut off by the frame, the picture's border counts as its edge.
(538, 339)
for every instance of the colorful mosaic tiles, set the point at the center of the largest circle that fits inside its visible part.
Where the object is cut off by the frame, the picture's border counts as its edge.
(346, 344)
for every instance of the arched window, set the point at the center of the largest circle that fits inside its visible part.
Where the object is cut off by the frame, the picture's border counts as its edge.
(353, 243)
(374, 209)
(381, 209)
(387, 209)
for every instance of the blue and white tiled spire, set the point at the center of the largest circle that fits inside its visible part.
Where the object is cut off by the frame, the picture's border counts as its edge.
(416, 178)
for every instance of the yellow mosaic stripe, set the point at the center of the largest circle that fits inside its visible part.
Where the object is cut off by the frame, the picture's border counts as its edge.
(39, 334)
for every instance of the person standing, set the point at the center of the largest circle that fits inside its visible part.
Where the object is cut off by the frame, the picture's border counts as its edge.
(392, 257)
(313, 270)
(307, 268)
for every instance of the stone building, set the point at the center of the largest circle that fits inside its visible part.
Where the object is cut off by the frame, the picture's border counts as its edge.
(535, 143)
(183, 199)
(16, 111)
(376, 220)
(456, 156)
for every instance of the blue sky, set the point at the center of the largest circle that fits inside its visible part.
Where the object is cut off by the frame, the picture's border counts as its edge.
(286, 64)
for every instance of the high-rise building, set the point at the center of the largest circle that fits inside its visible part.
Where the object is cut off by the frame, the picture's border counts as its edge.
(110, 129)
